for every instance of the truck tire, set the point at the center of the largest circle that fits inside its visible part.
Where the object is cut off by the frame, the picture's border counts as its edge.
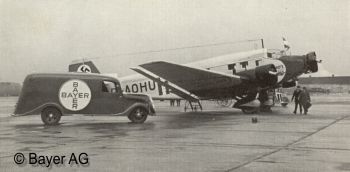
(138, 115)
(51, 116)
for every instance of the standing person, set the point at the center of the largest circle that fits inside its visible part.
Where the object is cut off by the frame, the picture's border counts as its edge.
(295, 96)
(178, 102)
(305, 100)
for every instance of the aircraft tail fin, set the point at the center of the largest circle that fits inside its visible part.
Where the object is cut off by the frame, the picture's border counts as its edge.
(84, 66)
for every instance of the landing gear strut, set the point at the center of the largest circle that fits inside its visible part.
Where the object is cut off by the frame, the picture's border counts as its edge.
(248, 104)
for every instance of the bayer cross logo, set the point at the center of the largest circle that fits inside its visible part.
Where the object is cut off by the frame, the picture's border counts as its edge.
(74, 95)
(84, 68)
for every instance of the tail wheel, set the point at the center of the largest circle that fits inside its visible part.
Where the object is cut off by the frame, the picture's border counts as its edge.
(51, 116)
(138, 115)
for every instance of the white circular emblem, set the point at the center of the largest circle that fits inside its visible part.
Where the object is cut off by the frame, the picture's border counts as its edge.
(280, 69)
(74, 95)
(84, 68)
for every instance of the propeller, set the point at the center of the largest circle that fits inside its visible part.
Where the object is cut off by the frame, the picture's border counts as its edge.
(311, 62)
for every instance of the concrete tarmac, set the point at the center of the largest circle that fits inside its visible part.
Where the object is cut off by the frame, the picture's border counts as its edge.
(218, 139)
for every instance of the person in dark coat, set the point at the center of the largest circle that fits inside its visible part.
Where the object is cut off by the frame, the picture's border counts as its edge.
(305, 100)
(295, 96)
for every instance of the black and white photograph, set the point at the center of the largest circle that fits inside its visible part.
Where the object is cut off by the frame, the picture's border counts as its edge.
(175, 85)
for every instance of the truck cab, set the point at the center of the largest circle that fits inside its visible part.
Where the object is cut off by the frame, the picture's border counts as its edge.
(58, 94)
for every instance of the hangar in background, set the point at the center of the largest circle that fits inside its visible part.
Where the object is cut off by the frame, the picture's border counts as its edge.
(324, 82)
(333, 84)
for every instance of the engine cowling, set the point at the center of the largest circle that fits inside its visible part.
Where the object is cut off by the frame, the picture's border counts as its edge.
(311, 62)
(266, 75)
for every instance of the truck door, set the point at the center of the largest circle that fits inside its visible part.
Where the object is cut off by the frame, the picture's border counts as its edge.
(111, 100)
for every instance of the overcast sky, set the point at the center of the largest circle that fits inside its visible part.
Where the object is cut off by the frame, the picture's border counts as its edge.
(45, 36)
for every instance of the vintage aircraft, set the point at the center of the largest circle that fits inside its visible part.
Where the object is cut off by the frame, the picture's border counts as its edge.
(248, 77)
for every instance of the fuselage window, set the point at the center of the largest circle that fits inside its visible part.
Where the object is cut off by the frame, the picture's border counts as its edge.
(244, 65)
(257, 62)
(232, 67)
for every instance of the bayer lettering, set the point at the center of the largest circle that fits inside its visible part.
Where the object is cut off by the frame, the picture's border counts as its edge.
(75, 95)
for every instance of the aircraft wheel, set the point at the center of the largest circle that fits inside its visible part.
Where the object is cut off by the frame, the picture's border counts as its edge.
(51, 116)
(138, 115)
(265, 109)
(250, 110)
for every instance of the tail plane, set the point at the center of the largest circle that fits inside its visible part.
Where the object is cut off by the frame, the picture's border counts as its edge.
(84, 66)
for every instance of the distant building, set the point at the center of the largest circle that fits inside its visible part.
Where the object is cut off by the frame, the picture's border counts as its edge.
(324, 81)
(334, 84)
(333, 80)
(9, 89)
(324, 85)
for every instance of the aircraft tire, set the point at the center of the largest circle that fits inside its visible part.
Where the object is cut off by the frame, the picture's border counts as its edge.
(138, 115)
(51, 116)
(250, 110)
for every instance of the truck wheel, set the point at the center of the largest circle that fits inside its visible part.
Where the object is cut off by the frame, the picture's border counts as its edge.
(51, 116)
(138, 115)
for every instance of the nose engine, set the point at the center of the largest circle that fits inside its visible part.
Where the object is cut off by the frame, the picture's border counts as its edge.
(311, 63)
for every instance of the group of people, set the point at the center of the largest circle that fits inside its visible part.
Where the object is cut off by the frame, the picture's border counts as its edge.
(302, 99)
(172, 102)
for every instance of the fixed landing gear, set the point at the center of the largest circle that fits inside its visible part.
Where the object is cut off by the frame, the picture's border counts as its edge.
(248, 104)
(250, 110)
(254, 110)
(255, 102)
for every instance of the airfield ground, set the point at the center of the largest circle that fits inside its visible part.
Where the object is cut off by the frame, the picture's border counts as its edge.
(217, 139)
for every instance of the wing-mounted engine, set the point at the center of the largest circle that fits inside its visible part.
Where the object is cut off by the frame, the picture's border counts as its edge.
(266, 75)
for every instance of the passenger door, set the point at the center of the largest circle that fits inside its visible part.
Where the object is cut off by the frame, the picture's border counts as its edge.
(111, 100)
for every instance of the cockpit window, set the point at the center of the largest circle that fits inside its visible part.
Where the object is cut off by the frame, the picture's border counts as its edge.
(110, 87)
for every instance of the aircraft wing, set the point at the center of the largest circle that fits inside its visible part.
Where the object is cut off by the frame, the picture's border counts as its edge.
(187, 78)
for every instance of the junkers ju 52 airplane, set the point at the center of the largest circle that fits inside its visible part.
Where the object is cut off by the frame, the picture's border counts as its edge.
(247, 77)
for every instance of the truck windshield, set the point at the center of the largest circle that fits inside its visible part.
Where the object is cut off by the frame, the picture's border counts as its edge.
(110, 87)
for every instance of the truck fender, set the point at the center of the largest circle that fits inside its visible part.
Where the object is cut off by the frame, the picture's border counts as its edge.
(40, 108)
(132, 107)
